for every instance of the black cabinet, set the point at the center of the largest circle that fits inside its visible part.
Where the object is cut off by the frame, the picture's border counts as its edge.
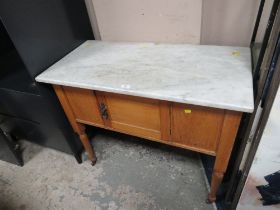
(34, 34)
(9, 149)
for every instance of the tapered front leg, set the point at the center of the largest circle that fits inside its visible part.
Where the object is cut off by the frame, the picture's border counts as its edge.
(227, 138)
(216, 180)
(88, 147)
(77, 127)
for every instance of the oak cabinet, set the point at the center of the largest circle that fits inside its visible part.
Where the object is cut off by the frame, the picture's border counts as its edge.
(187, 126)
(116, 73)
(207, 130)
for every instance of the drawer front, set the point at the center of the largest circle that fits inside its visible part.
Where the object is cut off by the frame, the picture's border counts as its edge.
(134, 115)
(84, 105)
(196, 127)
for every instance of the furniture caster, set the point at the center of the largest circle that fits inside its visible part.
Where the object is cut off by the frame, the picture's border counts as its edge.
(93, 162)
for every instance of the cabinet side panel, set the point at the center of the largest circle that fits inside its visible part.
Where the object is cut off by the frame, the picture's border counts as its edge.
(84, 105)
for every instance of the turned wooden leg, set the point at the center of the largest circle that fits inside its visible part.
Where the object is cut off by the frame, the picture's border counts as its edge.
(216, 180)
(227, 138)
(88, 147)
(77, 127)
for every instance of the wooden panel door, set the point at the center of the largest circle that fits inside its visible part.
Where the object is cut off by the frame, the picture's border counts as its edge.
(195, 127)
(137, 116)
(84, 105)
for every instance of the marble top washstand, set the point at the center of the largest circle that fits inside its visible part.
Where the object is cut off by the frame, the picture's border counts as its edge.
(212, 76)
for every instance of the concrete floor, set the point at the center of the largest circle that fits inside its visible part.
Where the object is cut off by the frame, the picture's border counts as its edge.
(130, 174)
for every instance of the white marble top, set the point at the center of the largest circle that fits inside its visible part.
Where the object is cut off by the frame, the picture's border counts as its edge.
(213, 76)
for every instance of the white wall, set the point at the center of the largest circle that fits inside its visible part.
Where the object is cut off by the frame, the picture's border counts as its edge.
(218, 22)
(172, 21)
(228, 22)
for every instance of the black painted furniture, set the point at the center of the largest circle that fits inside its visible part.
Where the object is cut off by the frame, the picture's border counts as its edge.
(33, 35)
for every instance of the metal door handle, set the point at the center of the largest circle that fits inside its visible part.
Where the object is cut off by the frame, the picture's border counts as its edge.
(104, 111)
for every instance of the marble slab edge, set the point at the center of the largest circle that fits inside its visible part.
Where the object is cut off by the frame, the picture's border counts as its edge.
(247, 109)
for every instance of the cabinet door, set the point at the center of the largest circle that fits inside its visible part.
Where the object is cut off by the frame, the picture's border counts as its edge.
(84, 105)
(195, 127)
(138, 116)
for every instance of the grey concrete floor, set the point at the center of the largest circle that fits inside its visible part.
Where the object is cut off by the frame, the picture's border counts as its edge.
(130, 174)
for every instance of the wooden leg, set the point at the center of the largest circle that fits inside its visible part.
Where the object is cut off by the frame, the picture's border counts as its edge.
(77, 127)
(227, 138)
(88, 147)
(216, 180)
